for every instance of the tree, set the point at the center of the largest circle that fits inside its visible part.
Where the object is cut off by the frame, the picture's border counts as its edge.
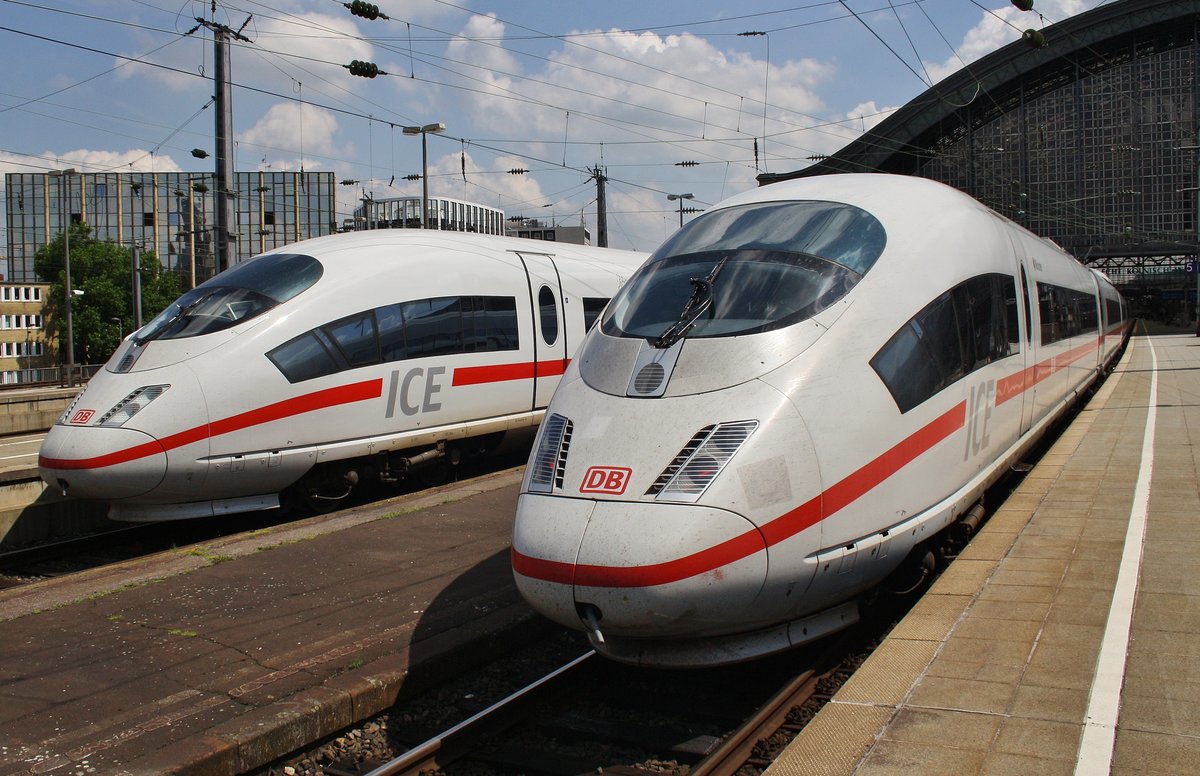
(103, 271)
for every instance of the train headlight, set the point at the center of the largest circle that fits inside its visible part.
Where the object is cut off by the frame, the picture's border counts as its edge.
(131, 405)
(546, 468)
(701, 460)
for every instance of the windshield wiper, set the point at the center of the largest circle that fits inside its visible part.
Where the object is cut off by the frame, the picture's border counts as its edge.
(183, 310)
(697, 305)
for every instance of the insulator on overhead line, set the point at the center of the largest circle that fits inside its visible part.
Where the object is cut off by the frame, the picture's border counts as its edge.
(364, 69)
(366, 10)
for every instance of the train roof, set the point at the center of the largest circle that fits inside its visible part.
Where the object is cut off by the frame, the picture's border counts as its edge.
(404, 245)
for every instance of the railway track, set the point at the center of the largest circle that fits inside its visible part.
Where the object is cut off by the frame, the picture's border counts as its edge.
(586, 714)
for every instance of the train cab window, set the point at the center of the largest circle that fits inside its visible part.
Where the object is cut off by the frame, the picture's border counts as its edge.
(548, 311)
(593, 306)
(963, 330)
(236, 295)
(748, 269)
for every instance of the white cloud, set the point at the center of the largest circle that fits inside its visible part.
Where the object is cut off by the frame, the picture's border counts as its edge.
(287, 128)
(1002, 26)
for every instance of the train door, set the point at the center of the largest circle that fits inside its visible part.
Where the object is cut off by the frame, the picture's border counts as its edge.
(1029, 343)
(550, 352)
(1030, 348)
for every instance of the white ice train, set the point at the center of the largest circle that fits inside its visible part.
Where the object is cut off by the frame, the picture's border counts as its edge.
(327, 362)
(799, 390)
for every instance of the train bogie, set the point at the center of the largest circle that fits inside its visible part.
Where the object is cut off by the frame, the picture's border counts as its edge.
(797, 394)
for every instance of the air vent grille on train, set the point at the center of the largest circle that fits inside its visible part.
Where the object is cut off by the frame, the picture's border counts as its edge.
(700, 461)
(549, 462)
(649, 378)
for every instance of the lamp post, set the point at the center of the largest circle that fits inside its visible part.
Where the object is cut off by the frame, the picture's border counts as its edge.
(68, 295)
(681, 198)
(423, 131)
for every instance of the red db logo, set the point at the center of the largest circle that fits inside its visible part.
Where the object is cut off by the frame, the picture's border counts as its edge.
(606, 479)
(83, 416)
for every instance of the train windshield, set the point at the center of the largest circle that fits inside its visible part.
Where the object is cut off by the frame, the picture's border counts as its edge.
(747, 269)
(236, 295)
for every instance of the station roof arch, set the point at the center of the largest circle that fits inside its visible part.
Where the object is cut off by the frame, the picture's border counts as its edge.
(1084, 139)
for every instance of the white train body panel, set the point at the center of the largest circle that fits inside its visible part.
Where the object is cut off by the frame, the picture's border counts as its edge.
(232, 430)
(831, 483)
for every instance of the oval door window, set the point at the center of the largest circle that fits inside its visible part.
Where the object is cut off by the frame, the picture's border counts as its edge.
(548, 307)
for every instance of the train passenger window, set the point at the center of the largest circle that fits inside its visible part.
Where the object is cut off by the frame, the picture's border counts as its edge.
(303, 358)
(427, 327)
(964, 329)
(592, 307)
(433, 327)
(492, 324)
(1066, 312)
(548, 310)
(389, 321)
(1011, 315)
(355, 336)
(907, 368)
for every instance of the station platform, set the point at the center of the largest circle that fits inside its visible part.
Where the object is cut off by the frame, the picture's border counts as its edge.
(218, 659)
(1066, 638)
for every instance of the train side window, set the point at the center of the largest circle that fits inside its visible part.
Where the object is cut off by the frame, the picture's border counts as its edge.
(355, 336)
(496, 322)
(593, 306)
(1048, 313)
(1008, 294)
(389, 321)
(303, 358)
(1089, 320)
(548, 310)
(964, 329)
(907, 368)
(433, 327)
(941, 330)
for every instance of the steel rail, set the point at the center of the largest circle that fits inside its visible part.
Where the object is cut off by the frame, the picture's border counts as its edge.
(457, 740)
(733, 751)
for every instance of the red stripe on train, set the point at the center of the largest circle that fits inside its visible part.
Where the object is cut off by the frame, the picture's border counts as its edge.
(298, 405)
(498, 373)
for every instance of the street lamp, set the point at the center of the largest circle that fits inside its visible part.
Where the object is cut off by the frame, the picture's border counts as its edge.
(681, 198)
(423, 131)
(68, 294)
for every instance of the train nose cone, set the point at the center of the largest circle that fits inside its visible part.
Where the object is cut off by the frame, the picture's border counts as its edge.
(647, 570)
(101, 463)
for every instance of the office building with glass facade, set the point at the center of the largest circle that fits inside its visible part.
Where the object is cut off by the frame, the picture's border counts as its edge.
(169, 213)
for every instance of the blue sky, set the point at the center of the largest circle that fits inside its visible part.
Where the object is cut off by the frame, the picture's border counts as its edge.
(551, 87)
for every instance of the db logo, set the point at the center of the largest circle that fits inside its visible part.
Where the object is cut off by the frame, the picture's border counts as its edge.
(606, 479)
(83, 416)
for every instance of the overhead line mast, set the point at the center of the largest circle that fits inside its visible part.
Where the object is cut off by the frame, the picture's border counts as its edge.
(225, 239)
